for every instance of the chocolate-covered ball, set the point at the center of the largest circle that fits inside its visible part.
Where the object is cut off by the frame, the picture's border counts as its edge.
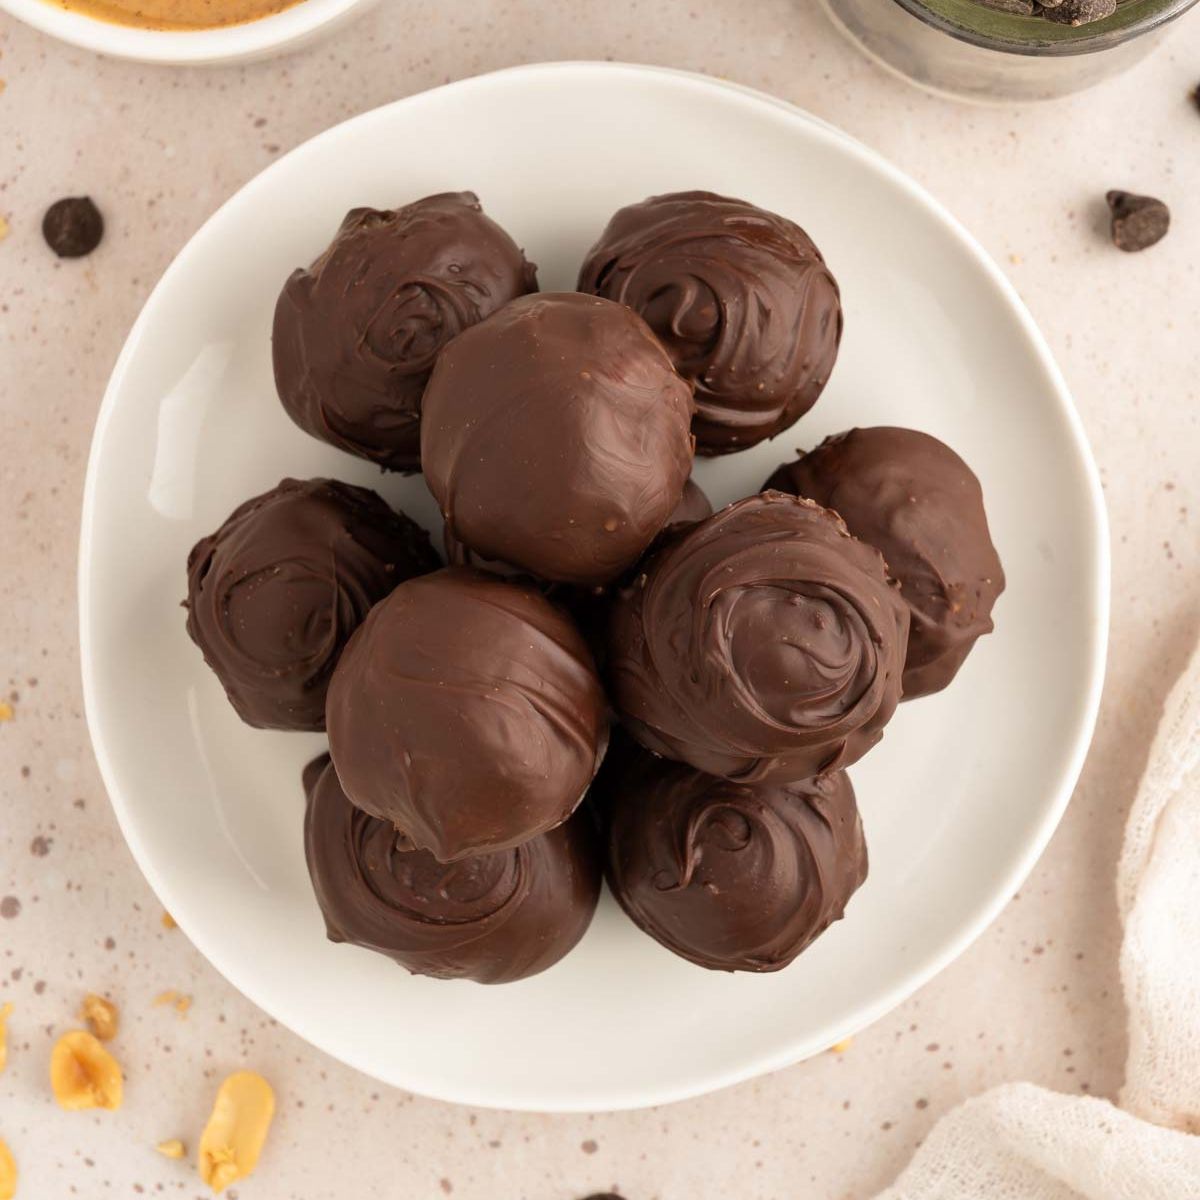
(466, 711)
(495, 918)
(763, 643)
(913, 499)
(740, 297)
(556, 437)
(356, 333)
(732, 876)
(276, 592)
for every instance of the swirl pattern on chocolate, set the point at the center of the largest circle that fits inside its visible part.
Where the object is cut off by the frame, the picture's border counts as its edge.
(740, 297)
(276, 592)
(731, 876)
(356, 334)
(762, 644)
(556, 437)
(913, 499)
(466, 711)
(495, 918)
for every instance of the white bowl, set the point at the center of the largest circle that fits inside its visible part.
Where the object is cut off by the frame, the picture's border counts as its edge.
(287, 30)
(959, 798)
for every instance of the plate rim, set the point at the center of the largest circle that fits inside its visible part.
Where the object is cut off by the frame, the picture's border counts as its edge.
(1059, 789)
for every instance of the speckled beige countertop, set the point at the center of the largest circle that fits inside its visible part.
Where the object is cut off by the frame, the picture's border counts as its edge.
(1037, 997)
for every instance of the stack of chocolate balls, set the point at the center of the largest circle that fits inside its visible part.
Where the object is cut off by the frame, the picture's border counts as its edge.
(702, 679)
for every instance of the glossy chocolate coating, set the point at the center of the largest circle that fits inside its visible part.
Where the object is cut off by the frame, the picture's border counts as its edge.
(276, 592)
(764, 643)
(356, 334)
(693, 506)
(556, 437)
(740, 297)
(467, 712)
(495, 918)
(913, 499)
(731, 876)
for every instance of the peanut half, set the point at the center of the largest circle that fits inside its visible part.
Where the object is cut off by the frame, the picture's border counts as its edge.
(83, 1074)
(8, 1172)
(234, 1136)
(100, 1015)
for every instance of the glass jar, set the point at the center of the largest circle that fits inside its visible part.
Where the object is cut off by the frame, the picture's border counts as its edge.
(966, 49)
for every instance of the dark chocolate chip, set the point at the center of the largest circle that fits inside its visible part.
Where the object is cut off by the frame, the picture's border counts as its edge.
(1137, 221)
(73, 226)
(1076, 12)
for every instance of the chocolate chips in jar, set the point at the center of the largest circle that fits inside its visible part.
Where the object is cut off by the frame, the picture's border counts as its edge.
(1075, 12)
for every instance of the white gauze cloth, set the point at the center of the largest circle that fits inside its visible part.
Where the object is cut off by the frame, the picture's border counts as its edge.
(1021, 1142)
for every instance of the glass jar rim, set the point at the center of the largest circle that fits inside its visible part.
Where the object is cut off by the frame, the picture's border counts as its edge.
(1011, 33)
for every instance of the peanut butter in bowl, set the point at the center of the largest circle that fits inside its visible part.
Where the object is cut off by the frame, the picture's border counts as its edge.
(175, 14)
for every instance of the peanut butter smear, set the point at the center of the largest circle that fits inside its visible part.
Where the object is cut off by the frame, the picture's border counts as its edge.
(175, 14)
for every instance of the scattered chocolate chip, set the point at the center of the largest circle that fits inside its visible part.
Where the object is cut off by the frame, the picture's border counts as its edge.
(604, 1196)
(1196, 95)
(1076, 12)
(1137, 221)
(73, 226)
(10, 907)
(40, 846)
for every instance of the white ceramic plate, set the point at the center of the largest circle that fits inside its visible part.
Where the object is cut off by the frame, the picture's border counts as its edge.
(958, 800)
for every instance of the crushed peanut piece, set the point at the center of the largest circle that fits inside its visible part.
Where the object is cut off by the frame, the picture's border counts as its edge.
(168, 921)
(7, 712)
(177, 1000)
(83, 1074)
(171, 1148)
(841, 1047)
(234, 1136)
(8, 1172)
(100, 1014)
(3, 235)
(5, 1013)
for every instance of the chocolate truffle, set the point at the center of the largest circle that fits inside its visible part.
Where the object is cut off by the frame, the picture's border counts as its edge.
(913, 499)
(555, 437)
(495, 918)
(740, 297)
(276, 592)
(762, 644)
(466, 711)
(357, 333)
(732, 876)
